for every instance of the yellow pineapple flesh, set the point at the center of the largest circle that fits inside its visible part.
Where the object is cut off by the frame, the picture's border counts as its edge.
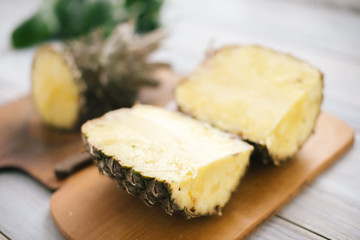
(180, 163)
(54, 89)
(268, 98)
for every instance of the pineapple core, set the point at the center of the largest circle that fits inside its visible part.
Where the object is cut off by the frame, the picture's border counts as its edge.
(202, 165)
(54, 90)
(268, 98)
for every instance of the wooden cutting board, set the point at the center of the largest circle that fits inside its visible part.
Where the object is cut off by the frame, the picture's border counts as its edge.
(90, 206)
(26, 144)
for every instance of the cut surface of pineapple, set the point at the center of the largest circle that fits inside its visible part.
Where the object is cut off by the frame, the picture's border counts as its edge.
(151, 150)
(268, 98)
(55, 91)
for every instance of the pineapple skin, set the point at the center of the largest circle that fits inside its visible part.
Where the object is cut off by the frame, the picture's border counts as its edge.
(150, 190)
(261, 152)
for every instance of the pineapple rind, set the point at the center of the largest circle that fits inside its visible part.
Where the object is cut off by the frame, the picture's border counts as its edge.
(152, 191)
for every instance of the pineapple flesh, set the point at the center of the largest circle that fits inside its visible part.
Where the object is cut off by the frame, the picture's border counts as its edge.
(55, 91)
(271, 100)
(167, 158)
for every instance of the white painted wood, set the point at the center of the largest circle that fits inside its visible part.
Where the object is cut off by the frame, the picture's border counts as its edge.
(350, 5)
(14, 65)
(323, 28)
(12, 13)
(2, 237)
(278, 228)
(24, 208)
(330, 206)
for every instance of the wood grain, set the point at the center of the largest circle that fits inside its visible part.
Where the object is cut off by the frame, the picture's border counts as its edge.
(2, 237)
(26, 144)
(277, 228)
(330, 206)
(33, 220)
(91, 206)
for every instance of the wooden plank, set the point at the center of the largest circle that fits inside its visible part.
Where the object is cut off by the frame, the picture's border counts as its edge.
(29, 145)
(350, 5)
(24, 208)
(16, 70)
(37, 215)
(280, 20)
(12, 12)
(341, 84)
(7, 93)
(15, 65)
(3, 237)
(91, 206)
(278, 228)
(330, 205)
(3, 99)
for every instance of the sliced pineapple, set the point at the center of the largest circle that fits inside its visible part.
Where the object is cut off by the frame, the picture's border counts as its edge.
(55, 87)
(167, 158)
(270, 99)
(87, 77)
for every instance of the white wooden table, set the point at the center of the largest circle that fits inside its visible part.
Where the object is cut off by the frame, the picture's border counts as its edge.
(328, 38)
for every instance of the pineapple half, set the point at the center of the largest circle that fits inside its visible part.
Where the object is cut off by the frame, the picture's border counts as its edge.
(167, 158)
(57, 87)
(89, 76)
(271, 100)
